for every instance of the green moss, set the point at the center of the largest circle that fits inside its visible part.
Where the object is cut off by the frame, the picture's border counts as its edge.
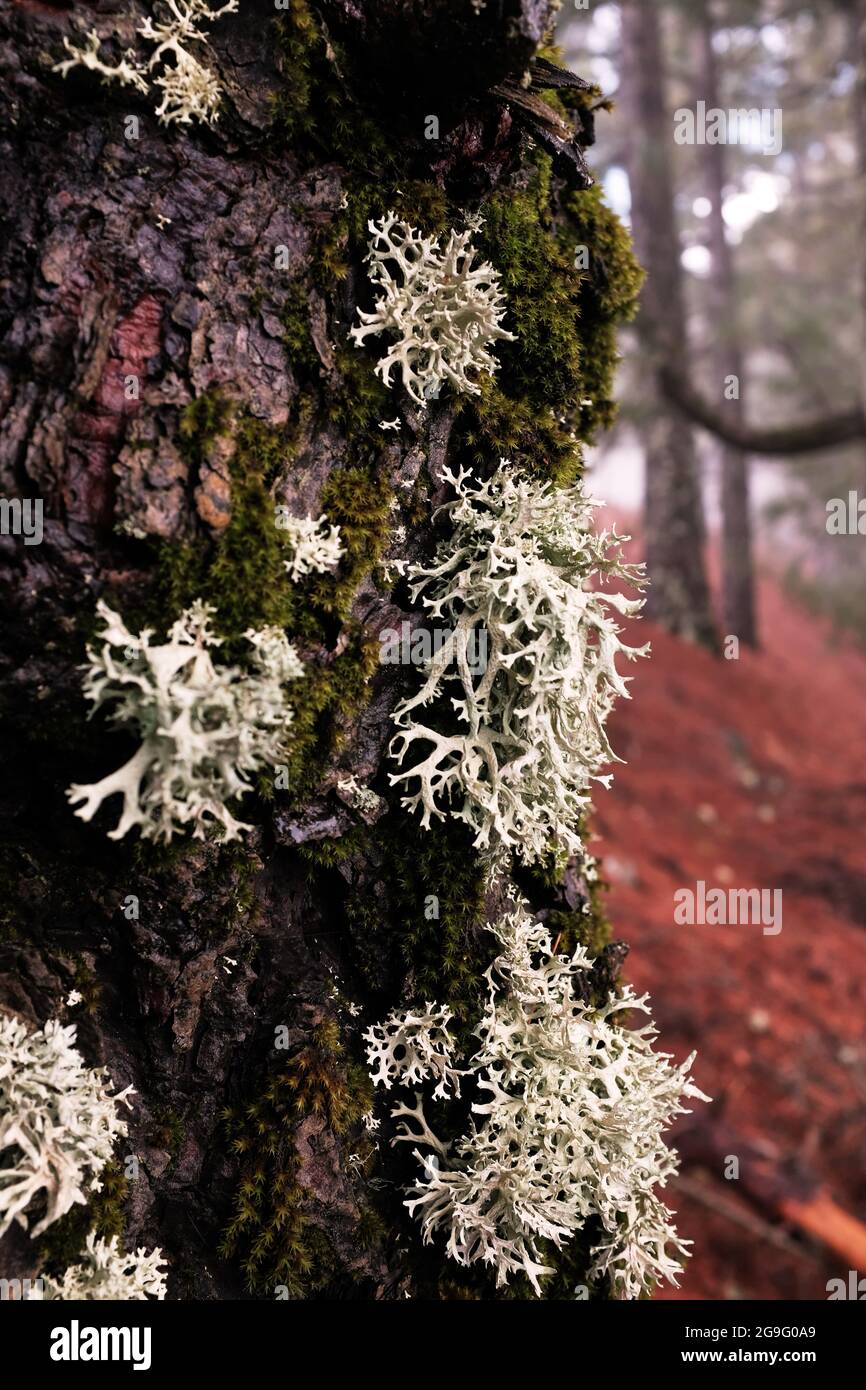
(609, 293)
(242, 572)
(300, 43)
(554, 386)
(271, 1232)
(429, 892)
(356, 499)
(61, 1245)
(168, 1129)
(361, 400)
(87, 985)
(322, 115)
(443, 942)
(297, 331)
(203, 421)
(541, 290)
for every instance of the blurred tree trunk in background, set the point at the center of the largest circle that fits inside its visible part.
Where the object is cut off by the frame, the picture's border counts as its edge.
(679, 595)
(858, 54)
(738, 606)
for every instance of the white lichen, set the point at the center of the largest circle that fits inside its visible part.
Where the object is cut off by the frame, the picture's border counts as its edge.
(106, 1272)
(190, 91)
(526, 734)
(204, 728)
(443, 312)
(414, 1047)
(360, 798)
(316, 546)
(58, 1122)
(569, 1122)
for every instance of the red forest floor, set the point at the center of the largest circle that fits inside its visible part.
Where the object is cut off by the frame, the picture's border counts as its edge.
(751, 774)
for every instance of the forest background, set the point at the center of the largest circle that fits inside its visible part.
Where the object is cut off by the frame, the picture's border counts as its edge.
(751, 332)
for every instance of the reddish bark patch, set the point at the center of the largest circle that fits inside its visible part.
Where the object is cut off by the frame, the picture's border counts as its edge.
(97, 430)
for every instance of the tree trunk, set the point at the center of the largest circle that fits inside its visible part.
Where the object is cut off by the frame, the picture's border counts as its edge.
(174, 365)
(738, 605)
(673, 516)
(858, 43)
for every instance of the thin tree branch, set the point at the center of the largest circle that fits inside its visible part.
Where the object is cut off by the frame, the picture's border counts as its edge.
(826, 433)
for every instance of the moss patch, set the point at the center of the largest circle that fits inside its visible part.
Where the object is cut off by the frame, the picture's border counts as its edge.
(271, 1232)
(242, 574)
(554, 387)
(61, 1245)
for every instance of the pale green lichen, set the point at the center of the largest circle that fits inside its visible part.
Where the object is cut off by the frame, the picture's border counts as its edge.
(58, 1123)
(443, 311)
(316, 547)
(190, 91)
(568, 1123)
(527, 733)
(205, 729)
(105, 1272)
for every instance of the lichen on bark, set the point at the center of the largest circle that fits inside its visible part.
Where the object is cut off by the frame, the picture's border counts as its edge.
(174, 366)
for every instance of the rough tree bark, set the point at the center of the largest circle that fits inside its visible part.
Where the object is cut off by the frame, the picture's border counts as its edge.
(673, 513)
(163, 383)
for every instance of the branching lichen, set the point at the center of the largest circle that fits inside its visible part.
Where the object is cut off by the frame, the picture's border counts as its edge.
(316, 546)
(545, 393)
(190, 91)
(105, 1272)
(58, 1122)
(205, 728)
(443, 311)
(413, 1047)
(571, 1113)
(529, 733)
